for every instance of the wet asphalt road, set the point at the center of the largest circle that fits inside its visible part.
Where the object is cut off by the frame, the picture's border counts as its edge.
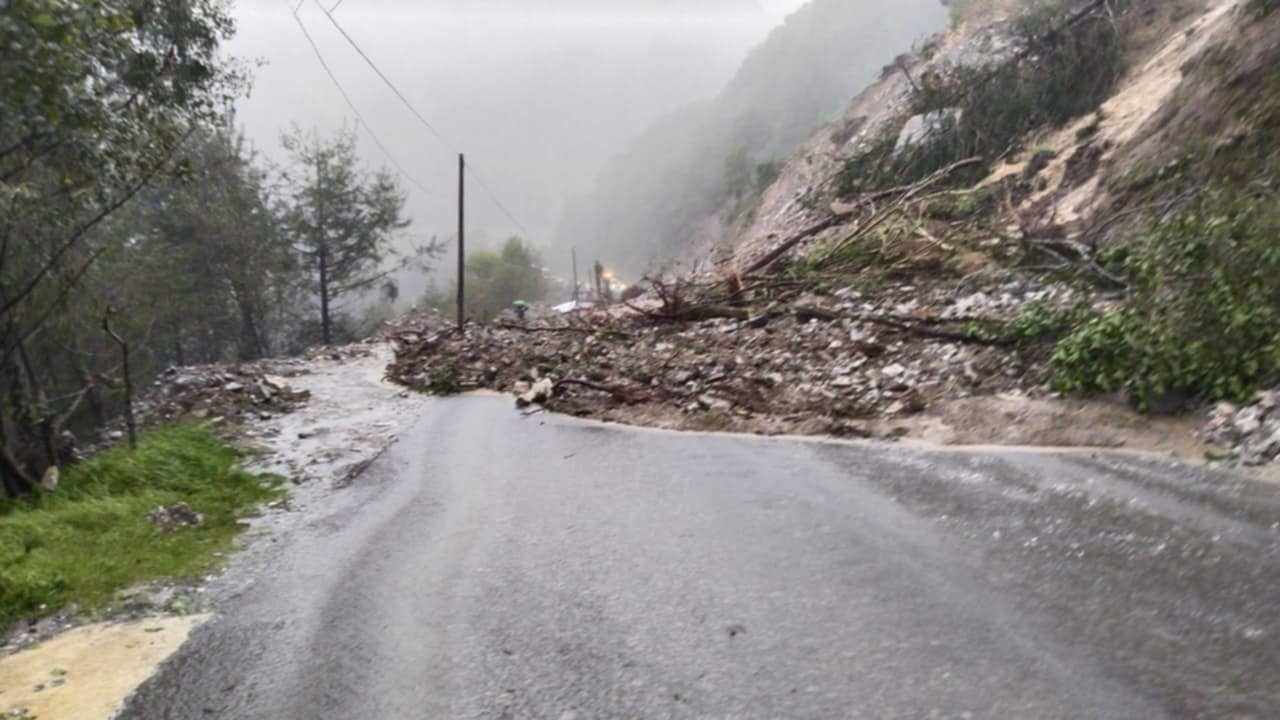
(498, 566)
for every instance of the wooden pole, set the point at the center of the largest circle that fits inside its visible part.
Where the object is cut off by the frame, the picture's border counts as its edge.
(574, 251)
(129, 422)
(462, 242)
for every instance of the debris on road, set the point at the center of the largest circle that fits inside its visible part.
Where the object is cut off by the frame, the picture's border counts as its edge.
(812, 362)
(1248, 435)
(232, 393)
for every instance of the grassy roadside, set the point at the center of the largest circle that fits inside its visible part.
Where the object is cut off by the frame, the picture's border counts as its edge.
(92, 537)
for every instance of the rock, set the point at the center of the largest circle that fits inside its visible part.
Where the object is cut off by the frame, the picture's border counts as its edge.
(1267, 400)
(711, 402)
(681, 377)
(1265, 448)
(174, 517)
(49, 482)
(921, 128)
(539, 393)
(1248, 421)
(892, 371)
(233, 387)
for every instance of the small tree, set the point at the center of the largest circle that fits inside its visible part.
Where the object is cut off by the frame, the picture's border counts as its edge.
(342, 219)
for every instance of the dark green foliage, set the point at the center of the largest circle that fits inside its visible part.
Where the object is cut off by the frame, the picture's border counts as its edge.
(92, 537)
(1039, 322)
(1203, 319)
(496, 280)
(97, 102)
(443, 381)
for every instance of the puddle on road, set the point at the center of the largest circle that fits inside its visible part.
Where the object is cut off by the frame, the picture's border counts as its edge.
(86, 673)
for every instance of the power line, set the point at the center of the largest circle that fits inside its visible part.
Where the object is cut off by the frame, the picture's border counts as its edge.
(359, 118)
(475, 173)
(426, 123)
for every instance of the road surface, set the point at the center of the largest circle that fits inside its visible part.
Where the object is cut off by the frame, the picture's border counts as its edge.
(493, 565)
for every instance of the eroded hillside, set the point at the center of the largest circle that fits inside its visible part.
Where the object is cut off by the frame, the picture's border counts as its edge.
(1049, 201)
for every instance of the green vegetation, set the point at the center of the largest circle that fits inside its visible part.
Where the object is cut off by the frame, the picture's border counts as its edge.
(343, 220)
(92, 537)
(1039, 322)
(127, 195)
(443, 381)
(1203, 317)
(495, 280)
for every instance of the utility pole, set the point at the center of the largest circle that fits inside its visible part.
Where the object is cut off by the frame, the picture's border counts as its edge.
(575, 274)
(462, 242)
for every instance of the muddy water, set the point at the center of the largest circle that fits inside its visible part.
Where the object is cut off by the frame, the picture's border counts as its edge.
(86, 674)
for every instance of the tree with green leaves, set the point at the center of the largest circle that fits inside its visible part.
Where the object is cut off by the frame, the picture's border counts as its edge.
(96, 98)
(496, 280)
(342, 219)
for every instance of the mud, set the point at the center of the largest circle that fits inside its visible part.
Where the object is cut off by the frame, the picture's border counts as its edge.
(87, 673)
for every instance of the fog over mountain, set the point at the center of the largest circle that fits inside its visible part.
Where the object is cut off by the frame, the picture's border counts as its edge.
(539, 94)
(683, 175)
(549, 97)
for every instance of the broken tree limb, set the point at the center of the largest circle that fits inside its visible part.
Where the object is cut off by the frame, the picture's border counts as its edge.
(777, 253)
(924, 327)
(563, 329)
(933, 333)
(909, 193)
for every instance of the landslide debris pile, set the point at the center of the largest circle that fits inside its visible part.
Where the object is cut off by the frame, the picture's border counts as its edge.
(1248, 434)
(880, 319)
(231, 392)
(814, 360)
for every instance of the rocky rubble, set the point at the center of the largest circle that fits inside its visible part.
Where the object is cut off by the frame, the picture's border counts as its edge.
(228, 392)
(821, 363)
(1249, 435)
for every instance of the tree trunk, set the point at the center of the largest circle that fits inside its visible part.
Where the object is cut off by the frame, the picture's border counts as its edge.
(97, 412)
(179, 354)
(325, 322)
(129, 421)
(15, 479)
(250, 340)
(41, 419)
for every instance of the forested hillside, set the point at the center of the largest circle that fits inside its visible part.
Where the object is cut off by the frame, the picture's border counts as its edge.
(139, 231)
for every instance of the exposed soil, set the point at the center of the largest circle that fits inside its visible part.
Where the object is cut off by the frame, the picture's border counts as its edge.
(86, 673)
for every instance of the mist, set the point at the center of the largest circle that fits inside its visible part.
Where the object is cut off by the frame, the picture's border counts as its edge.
(538, 94)
(687, 183)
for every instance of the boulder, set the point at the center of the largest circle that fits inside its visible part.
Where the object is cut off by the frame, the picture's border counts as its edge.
(922, 128)
(541, 392)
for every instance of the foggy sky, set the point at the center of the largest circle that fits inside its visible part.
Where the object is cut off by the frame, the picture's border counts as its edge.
(539, 93)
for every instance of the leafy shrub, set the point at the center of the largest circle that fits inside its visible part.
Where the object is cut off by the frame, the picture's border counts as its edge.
(444, 381)
(1039, 321)
(1203, 319)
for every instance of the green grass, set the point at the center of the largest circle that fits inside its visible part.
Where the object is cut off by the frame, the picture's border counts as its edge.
(92, 537)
